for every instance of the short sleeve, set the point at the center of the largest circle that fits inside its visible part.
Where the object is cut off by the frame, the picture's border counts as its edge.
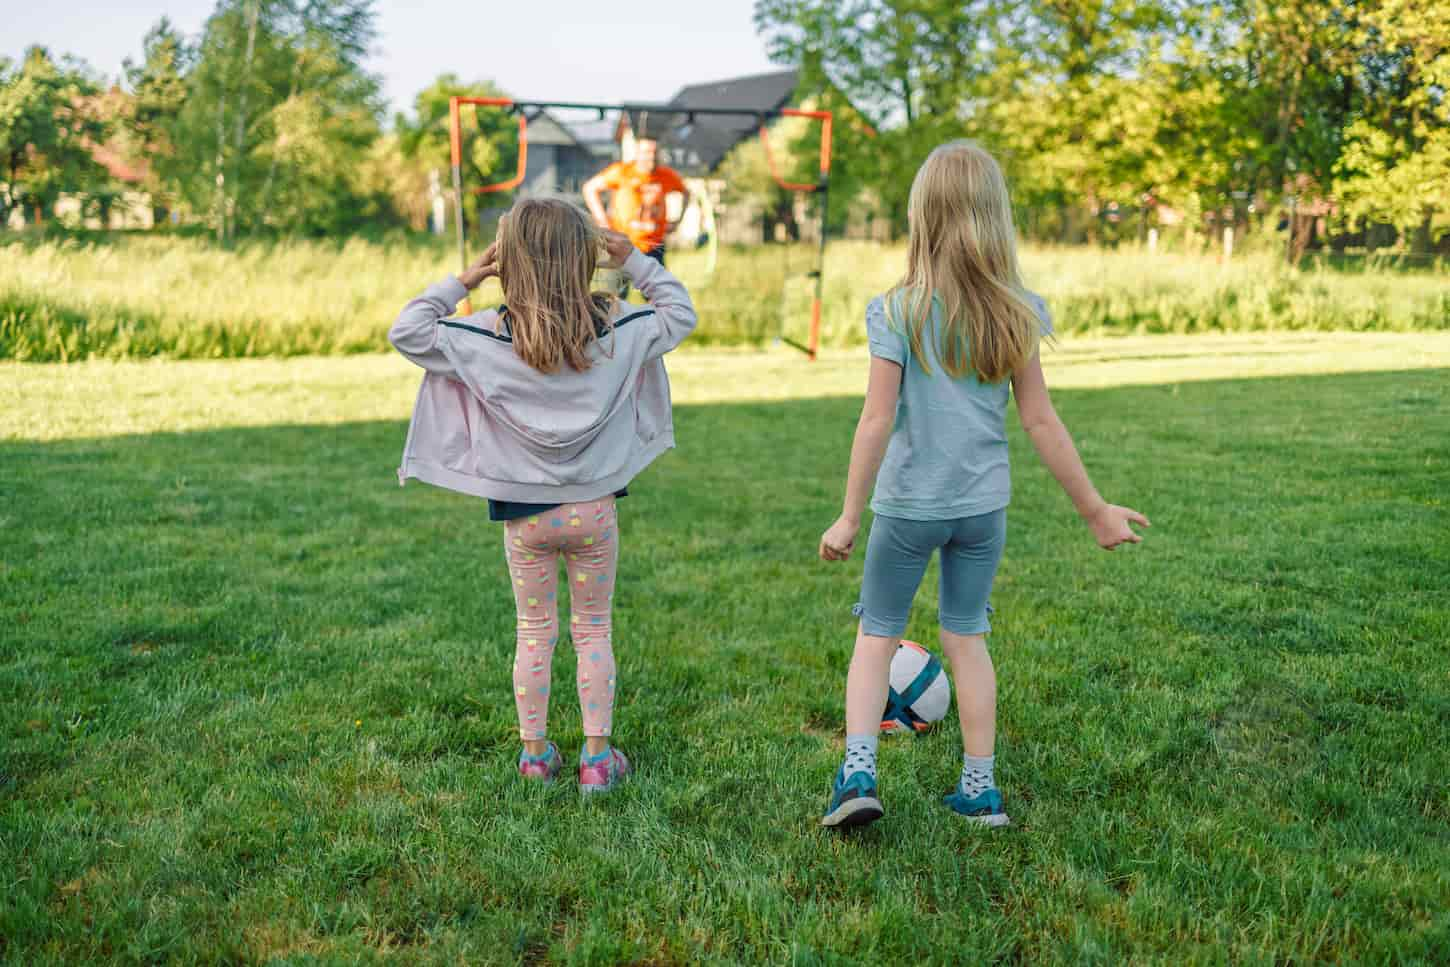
(673, 181)
(611, 174)
(1040, 305)
(885, 342)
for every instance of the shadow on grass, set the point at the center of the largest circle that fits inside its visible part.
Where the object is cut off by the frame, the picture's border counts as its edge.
(1288, 453)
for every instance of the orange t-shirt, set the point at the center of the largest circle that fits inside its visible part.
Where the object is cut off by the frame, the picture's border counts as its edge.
(638, 207)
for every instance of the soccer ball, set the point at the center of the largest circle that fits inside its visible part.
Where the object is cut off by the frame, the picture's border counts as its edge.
(920, 691)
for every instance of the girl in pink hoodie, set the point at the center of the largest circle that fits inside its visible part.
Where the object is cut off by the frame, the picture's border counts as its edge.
(548, 407)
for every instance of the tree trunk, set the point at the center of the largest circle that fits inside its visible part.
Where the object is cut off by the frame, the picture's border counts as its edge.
(1301, 234)
(265, 197)
(1420, 242)
(7, 197)
(220, 194)
(236, 178)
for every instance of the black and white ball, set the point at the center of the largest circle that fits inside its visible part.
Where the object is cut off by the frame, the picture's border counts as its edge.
(920, 692)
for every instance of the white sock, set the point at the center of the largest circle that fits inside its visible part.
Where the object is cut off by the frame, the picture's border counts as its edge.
(861, 754)
(977, 774)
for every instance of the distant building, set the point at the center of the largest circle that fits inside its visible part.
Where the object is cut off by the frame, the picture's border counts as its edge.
(128, 205)
(561, 158)
(696, 144)
(123, 203)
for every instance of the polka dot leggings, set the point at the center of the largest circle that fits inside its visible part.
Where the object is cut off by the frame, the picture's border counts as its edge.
(587, 535)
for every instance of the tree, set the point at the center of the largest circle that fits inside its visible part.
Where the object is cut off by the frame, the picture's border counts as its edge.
(158, 90)
(906, 59)
(748, 178)
(909, 67)
(1075, 100)
(399, 185)
(1396, 163)
(490, 142)
(279, 116)
(1221, 108)
(47, 130)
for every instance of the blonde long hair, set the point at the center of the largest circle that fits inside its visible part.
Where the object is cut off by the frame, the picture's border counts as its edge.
(547, 252)
(963, 251)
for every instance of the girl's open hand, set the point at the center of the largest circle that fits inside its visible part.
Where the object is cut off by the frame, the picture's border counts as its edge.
(485, 268)
(617, 247)
(1110, 526)
(838, 541)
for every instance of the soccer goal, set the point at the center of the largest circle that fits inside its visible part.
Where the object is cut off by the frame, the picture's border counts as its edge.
(524, 111)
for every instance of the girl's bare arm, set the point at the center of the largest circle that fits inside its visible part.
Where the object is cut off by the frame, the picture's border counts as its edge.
(873, 432)
(1054, 445)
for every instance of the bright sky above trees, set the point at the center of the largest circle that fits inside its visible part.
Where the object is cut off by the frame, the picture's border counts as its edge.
(579, 50)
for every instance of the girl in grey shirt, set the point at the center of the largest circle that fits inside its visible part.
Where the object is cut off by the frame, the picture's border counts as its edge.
(949, 345)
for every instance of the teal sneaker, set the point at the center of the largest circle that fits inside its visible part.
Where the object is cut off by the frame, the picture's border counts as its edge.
(853, 801)
(603, 774)
(984, 808)
(542, 768)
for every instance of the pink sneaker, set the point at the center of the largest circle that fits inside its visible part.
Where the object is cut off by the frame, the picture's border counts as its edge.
(544, 767)
(605, 774)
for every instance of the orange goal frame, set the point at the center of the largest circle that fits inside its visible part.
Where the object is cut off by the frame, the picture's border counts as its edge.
(822, 185)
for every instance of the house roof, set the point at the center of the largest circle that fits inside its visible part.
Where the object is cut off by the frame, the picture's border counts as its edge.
(544, 128)
(595, 136)
(697, 145)
(767, 92)
(119, 167)
(120, 163)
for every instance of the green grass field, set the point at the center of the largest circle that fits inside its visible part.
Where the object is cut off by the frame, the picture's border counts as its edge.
(153, 295)
(258, 696)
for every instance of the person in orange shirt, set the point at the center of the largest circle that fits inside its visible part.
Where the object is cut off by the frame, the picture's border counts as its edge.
(640, 189)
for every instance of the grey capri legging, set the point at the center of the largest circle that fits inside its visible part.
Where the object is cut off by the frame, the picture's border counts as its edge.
(896, 557)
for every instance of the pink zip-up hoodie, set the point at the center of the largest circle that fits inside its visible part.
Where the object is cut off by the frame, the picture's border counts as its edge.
(487, 424)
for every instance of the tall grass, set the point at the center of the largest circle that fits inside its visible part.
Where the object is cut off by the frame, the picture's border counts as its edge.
(149, 296)
(142, 296)
(1089, 292)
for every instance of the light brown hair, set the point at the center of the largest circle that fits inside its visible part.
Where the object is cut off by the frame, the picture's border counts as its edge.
(963, 252)
(547, 252)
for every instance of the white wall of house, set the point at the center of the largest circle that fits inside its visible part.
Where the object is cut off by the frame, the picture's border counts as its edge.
(131, 210)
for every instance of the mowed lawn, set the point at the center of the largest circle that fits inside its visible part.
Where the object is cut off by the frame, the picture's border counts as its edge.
(257, 697)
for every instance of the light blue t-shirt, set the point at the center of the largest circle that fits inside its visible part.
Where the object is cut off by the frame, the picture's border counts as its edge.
(948, 452)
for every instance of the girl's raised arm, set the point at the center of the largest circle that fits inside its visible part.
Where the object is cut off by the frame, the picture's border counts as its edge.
(415, 333)
(1109, 522)
(674, 313)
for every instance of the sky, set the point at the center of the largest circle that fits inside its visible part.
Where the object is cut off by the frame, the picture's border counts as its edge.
(539, 50)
